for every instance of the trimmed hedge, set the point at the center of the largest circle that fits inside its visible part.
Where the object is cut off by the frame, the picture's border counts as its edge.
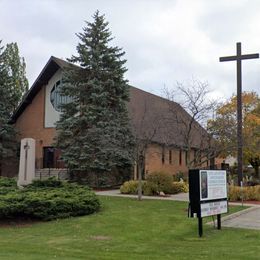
(47, 200)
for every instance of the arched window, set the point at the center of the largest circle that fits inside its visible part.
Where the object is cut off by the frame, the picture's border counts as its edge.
(56, 98)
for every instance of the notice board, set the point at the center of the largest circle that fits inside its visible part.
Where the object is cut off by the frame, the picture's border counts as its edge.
(208, 192)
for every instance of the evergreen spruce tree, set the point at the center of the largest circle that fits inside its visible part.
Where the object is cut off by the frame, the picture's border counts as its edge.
(94, 131)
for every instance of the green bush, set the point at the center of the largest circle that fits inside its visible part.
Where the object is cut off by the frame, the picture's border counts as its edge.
(7, 185)
(50, 182)
(179, 187)
(47, 202)
(7, 182)
(150, 189)
(159, 181)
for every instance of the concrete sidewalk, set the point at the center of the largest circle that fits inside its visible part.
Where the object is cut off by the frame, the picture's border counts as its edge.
(116, 193)
(248, 218)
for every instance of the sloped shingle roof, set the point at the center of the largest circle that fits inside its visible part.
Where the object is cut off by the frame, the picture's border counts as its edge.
(152, 117)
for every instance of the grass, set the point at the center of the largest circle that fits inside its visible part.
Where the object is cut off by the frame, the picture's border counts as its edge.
(128, 229)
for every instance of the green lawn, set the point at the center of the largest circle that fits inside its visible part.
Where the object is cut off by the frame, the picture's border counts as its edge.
(128, 229)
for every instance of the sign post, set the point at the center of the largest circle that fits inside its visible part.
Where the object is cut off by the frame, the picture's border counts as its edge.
(208, 195)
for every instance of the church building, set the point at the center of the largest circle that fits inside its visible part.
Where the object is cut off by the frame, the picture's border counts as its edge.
(152, 120)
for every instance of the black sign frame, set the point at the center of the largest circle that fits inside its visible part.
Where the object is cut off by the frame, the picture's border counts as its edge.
(196, 197)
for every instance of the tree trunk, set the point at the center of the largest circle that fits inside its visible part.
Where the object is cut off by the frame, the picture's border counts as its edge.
(139, 172)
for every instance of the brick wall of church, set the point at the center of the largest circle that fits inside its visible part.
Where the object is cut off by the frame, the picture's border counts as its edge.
(172, 161)
(30, 124)
(155, 161)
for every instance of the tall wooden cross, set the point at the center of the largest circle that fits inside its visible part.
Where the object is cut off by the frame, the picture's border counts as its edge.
(239, 57)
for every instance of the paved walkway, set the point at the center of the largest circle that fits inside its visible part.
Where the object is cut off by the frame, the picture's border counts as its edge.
(248, 218)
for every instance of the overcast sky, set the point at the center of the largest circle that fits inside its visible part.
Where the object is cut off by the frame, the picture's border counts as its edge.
(165, 40)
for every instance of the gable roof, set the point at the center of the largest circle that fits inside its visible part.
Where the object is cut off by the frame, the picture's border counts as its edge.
(151, 116)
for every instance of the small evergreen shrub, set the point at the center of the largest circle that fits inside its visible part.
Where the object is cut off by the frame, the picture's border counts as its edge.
(48, 200)
(179, 187)
(7, 185)
(8, 182)
(50, 182)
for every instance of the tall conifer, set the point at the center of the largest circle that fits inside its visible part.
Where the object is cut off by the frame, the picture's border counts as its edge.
(9, 99)
(93, 131)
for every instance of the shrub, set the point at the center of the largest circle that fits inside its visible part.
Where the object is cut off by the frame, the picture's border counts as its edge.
(179, 176)
(159, 181)
(178, 187)
(7, 182)
(249, 193)
(50, 182)
(47, 203)
(7, 185)
(130, 187)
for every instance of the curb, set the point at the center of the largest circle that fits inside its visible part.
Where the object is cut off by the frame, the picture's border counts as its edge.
(234, 215)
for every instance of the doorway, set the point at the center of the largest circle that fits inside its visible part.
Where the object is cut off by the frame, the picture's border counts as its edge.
(48, 157)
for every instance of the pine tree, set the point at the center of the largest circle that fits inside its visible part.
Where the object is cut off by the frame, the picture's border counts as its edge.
(94, 132)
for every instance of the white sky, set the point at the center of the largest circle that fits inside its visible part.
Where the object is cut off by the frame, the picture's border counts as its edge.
(165, 40)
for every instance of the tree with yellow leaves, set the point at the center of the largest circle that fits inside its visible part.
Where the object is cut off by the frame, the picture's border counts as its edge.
(224, 126)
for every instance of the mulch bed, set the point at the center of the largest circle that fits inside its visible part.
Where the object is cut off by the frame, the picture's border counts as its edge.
(17, 223)
(252, 202)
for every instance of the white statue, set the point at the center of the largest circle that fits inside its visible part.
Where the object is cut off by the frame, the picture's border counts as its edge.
(27, 162)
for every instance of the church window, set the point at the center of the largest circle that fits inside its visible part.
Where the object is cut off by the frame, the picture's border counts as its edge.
(180, 157)
(56, 98)
(170, 156)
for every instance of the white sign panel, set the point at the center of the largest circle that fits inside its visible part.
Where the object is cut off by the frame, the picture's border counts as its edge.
(213, 184)
(213, 208)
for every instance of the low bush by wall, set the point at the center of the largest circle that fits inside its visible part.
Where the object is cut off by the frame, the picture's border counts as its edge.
(47, 200)
(149, 189)
(248, 193)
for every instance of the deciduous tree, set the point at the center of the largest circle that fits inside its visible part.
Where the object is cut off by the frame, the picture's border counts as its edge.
(16, 82)
(191, 128)
(12, 84)
(224, 128)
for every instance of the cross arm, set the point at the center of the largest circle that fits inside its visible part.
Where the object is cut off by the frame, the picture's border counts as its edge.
(250, 56)
(228, 58)
(240, 57)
